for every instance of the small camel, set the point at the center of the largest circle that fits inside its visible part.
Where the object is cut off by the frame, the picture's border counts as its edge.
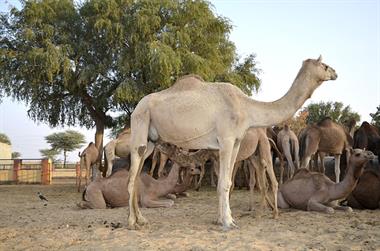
(112, 191)
(88, 158)
(366, 194)
(117, 147)
(367, 137)
(194, 114)
(288, 145)
(184, 158)
(325, 137)
(314, 191)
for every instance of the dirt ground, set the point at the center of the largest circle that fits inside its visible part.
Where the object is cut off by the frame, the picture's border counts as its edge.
(26, 224)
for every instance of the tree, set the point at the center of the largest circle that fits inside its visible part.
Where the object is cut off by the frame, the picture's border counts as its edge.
(4, 139)
(75, 63)
(66, 141)
(16, 155)
(376, 117)
(50, 154)
(336, 111)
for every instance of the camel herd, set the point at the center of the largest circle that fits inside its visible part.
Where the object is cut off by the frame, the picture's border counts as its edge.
(194, 123)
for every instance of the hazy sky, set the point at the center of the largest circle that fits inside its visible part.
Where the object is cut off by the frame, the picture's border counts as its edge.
(282, 34)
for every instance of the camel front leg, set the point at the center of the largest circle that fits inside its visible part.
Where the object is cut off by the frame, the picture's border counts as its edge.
(334, 204)
(150, 203)
(154, 162)
(198, 184)
(252, 183)
(337, 167)
(274, 187)
(227, 156)
(163, 159)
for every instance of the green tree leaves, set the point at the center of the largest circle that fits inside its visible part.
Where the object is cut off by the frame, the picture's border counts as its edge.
(376, 117)
(335, 110)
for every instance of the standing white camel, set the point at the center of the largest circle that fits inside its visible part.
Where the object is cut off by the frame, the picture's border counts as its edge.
(193, 114)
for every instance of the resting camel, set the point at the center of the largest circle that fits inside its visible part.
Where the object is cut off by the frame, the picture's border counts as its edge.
(366, 194)
(367, 137)
(194, 114)
(324, 137)
(88, 158)
(313, 191)
(288, 145)
(117, 147)
(112, 191)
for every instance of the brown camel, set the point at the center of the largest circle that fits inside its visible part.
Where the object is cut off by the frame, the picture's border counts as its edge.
(256, 138)
(88, 158)
(367, 137)
(366, 194)
(112, 191)
(313, 191)
(194, 114)
(288, 145)
(324, 137)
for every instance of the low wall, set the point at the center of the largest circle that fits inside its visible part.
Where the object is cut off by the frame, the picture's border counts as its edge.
(33, 171)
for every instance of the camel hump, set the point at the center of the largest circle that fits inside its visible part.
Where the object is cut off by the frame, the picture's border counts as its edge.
(91, 143)
(188, 82)
(325, 122)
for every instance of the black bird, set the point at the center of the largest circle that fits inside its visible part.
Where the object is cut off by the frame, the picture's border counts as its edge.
(42, 198)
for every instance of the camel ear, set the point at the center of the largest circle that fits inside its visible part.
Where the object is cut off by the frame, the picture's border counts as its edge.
(319, 59)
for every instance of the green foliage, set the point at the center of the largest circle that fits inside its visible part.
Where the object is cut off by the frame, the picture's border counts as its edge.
(16, 155)
(66, 141)
(74, 63)
(376, 117)
(336, 111)
(4, 139)
(50, 153)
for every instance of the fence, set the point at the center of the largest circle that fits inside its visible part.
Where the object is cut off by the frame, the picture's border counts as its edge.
(33, 171)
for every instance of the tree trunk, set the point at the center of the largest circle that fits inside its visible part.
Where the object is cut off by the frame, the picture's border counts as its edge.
(64, 159)
(99, 143)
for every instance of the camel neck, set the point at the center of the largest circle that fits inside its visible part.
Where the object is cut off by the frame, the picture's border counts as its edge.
(344, 188)
(167, 185)
(265, 114)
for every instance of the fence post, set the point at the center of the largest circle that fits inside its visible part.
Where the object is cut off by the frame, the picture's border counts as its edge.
(46, 172)
(16, 169)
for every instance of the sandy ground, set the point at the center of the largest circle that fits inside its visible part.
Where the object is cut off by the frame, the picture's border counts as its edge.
(26, 224)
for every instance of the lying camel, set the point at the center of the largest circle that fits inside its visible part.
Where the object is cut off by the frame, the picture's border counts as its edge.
(113, 190)
(313, 191)
(366, 194)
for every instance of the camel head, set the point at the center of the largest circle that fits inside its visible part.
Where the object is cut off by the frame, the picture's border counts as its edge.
(359, 158)
(320, 71)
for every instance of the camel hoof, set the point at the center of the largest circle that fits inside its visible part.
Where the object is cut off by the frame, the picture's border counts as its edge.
(349, 210)
(230, 226)
(171, 196)
(330, 210)
(133, 227)
(141, 221)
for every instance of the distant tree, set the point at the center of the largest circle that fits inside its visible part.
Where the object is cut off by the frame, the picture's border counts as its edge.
(75, 62)
(4, 139)
(335, 110)
(67, 141)
(50, 153)
(16, 155)
(376, 117)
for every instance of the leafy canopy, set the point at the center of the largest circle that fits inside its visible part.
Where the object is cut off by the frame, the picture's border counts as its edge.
(335, 110)
(4, 139)
(75, 63)
(65, 141)
(376, 117)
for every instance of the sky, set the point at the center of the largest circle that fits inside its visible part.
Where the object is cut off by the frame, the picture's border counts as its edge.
(282, 34)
